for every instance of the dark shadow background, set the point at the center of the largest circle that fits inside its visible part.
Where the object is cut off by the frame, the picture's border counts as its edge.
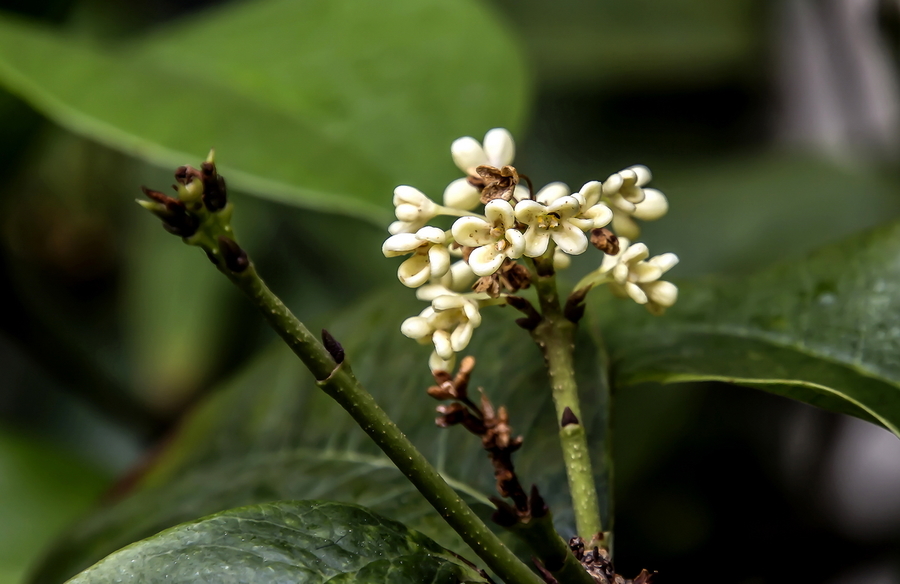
(771, 126)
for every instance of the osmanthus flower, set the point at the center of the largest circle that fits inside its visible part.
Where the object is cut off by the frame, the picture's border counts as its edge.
(631, 275)
(494, 238)
(448, 323)
(494, 156)
(430, 257)
(555, 215)
(498, 151)
(625, 193)
(413, 210)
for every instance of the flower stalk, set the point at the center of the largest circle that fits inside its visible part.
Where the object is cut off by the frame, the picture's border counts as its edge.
(555, 337)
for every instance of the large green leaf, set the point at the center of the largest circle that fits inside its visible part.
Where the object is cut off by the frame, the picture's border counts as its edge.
(324, 103)
(824, 330)
(303, 542)
(271, 434)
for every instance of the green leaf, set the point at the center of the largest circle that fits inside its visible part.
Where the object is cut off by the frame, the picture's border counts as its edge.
(824, 330)
(301, 541)
(325, 104)
(271, 434)
(41, 491)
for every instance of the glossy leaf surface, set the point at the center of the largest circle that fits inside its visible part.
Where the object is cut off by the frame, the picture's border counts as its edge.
(824, 330)
(307, 542)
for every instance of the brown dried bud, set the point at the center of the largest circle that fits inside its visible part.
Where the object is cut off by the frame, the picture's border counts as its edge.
(176, 219)
(214, 194)
(605, 240)
(499, 183)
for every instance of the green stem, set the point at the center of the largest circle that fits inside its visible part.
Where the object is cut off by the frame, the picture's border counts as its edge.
(338, 381)
(546, 544)
(555, 336)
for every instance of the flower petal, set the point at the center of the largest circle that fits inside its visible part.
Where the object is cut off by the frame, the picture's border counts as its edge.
(432, 234)
(405, 194)
(600, 214)
(665, 261)
(416, 327)
(400, 244)
(459, 277)
(448, 302)
(461, 336)
(591, 192)
(435, 363)
(442, 347)
(472, 231)
(632, 290)
(467, 154)
(432, 291)
(528, 211)
(461, 195)
(635, 253)
(439, 258)
(570, 238)
(536, 241)
(654, 206)
(552, 192)
(565, 207)
(486, 260)
(643, 272)
(499, 147)
(663, 293)
(472, 312)
(415, 271)
(612, 185)
(500, 211)
(642, 174)
(516, 243)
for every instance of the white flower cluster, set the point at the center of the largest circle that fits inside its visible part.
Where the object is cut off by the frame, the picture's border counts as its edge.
(514, 224)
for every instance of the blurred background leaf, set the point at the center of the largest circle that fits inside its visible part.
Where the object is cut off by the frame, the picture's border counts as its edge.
(42, 490)
(307, 102)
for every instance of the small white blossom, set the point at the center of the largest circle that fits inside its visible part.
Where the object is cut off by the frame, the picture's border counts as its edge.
(599, 214)
(448, 323)
(413, 210)
(498, 151)
(634, 276)
(555, 214)
(625, 193)
(494, 238)
(430, 257)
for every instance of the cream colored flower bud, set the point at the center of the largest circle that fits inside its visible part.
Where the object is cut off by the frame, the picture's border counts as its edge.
(654, 206)
(461, 195)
